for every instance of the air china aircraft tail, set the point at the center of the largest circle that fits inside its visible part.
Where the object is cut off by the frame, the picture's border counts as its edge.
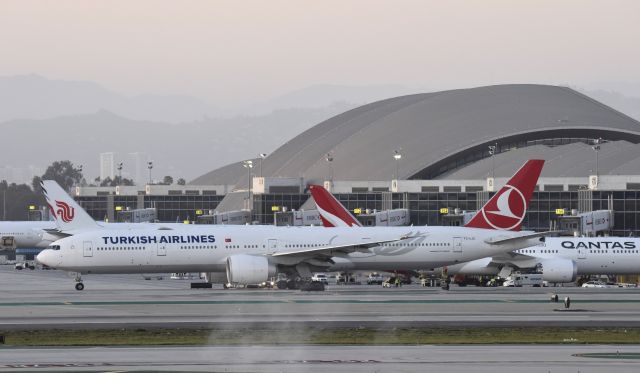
(507, 208)
(69, 216)
(332, 212)
(505, 211)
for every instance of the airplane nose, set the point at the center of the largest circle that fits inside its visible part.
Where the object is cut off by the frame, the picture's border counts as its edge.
(46, 257)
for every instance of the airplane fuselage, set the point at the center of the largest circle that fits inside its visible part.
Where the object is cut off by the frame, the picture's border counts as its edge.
(598, 255)
(593, 256)
(26, 234)
(206, 248)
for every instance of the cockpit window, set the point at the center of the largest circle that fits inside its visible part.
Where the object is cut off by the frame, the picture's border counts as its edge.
(54, 247)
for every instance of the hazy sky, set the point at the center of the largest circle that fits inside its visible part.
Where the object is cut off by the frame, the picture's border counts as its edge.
(236, 52)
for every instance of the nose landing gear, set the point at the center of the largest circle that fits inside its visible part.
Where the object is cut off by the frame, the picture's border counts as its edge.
(79, 284)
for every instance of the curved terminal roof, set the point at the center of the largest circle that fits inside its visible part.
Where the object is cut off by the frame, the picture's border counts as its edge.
(227, 175)
(571, 160)
(441, 133)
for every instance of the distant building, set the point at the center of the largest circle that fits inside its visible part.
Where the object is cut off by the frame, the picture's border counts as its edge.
(107, 166)
(138, 167)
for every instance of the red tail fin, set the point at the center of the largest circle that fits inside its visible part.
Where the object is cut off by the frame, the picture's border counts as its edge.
(506, 209)
(332, 212)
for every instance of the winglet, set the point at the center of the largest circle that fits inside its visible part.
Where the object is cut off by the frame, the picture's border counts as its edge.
(68, 214)
(506, 209)
(332, 212)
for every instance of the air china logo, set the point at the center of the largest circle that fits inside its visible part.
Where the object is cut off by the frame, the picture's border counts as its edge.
(508, 210)
(64, 211)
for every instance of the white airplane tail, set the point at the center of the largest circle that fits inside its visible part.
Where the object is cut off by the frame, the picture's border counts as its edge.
(69, 216)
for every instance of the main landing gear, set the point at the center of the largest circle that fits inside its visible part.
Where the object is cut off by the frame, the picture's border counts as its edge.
(79, 284)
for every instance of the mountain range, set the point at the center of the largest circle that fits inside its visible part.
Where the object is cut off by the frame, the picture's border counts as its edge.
(44, 120)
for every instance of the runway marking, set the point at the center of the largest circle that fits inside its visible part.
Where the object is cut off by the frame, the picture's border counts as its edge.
(308, 301)
(610, 355)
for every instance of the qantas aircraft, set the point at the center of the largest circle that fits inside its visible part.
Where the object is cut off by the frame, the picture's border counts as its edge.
(562, 259)
(253, 254)
(559, 259)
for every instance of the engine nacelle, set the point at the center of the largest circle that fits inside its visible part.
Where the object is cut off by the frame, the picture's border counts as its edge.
(558, 270)
(249, 269)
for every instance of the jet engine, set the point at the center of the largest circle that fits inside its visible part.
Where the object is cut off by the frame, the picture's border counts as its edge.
(558, 270)
(249, 269)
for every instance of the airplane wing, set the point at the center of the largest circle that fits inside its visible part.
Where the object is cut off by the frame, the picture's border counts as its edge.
(56, 233)
(500, 240)
(342, 248)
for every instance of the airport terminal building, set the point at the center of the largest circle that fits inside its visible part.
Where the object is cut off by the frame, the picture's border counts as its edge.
(434, 155)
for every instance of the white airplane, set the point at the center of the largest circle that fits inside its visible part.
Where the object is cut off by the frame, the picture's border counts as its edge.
(253, 254)
(562, 259)
(558, 259)
(27, 234)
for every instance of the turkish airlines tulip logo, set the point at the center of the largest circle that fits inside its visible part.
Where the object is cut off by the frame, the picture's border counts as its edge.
(508, 210)
(64, 211)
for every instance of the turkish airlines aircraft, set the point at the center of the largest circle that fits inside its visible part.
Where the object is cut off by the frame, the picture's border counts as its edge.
(559, 259)
(253, 254)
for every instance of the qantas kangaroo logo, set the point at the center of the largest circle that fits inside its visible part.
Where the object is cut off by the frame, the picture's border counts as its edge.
(508, 210)
(64, 211)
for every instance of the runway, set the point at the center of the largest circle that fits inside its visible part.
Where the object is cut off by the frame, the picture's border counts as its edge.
(530, 358)
(46, 299)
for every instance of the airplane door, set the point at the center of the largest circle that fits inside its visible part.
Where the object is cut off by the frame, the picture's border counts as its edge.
(457, 244)
(87, 249)
(582, 253)
(162, 250)
(272, 246)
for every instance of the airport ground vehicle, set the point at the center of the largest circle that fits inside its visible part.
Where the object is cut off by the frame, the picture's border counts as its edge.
(518, 280)
(25, 265)
(596, 284)
(391, 281)
(320, 277)
(375, 278)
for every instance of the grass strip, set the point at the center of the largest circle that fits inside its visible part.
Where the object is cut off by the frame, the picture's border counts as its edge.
(316, 336)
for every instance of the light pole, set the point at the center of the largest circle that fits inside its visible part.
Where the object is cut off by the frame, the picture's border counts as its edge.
(150, 166)
(120, 173)
(262, 157)
(79, 170)
(329, 158)
(248, 164)
(596, 148)
(397, 156)
(492, 153)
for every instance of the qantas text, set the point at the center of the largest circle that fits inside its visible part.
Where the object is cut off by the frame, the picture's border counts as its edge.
(133, 240)
(598, 245)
